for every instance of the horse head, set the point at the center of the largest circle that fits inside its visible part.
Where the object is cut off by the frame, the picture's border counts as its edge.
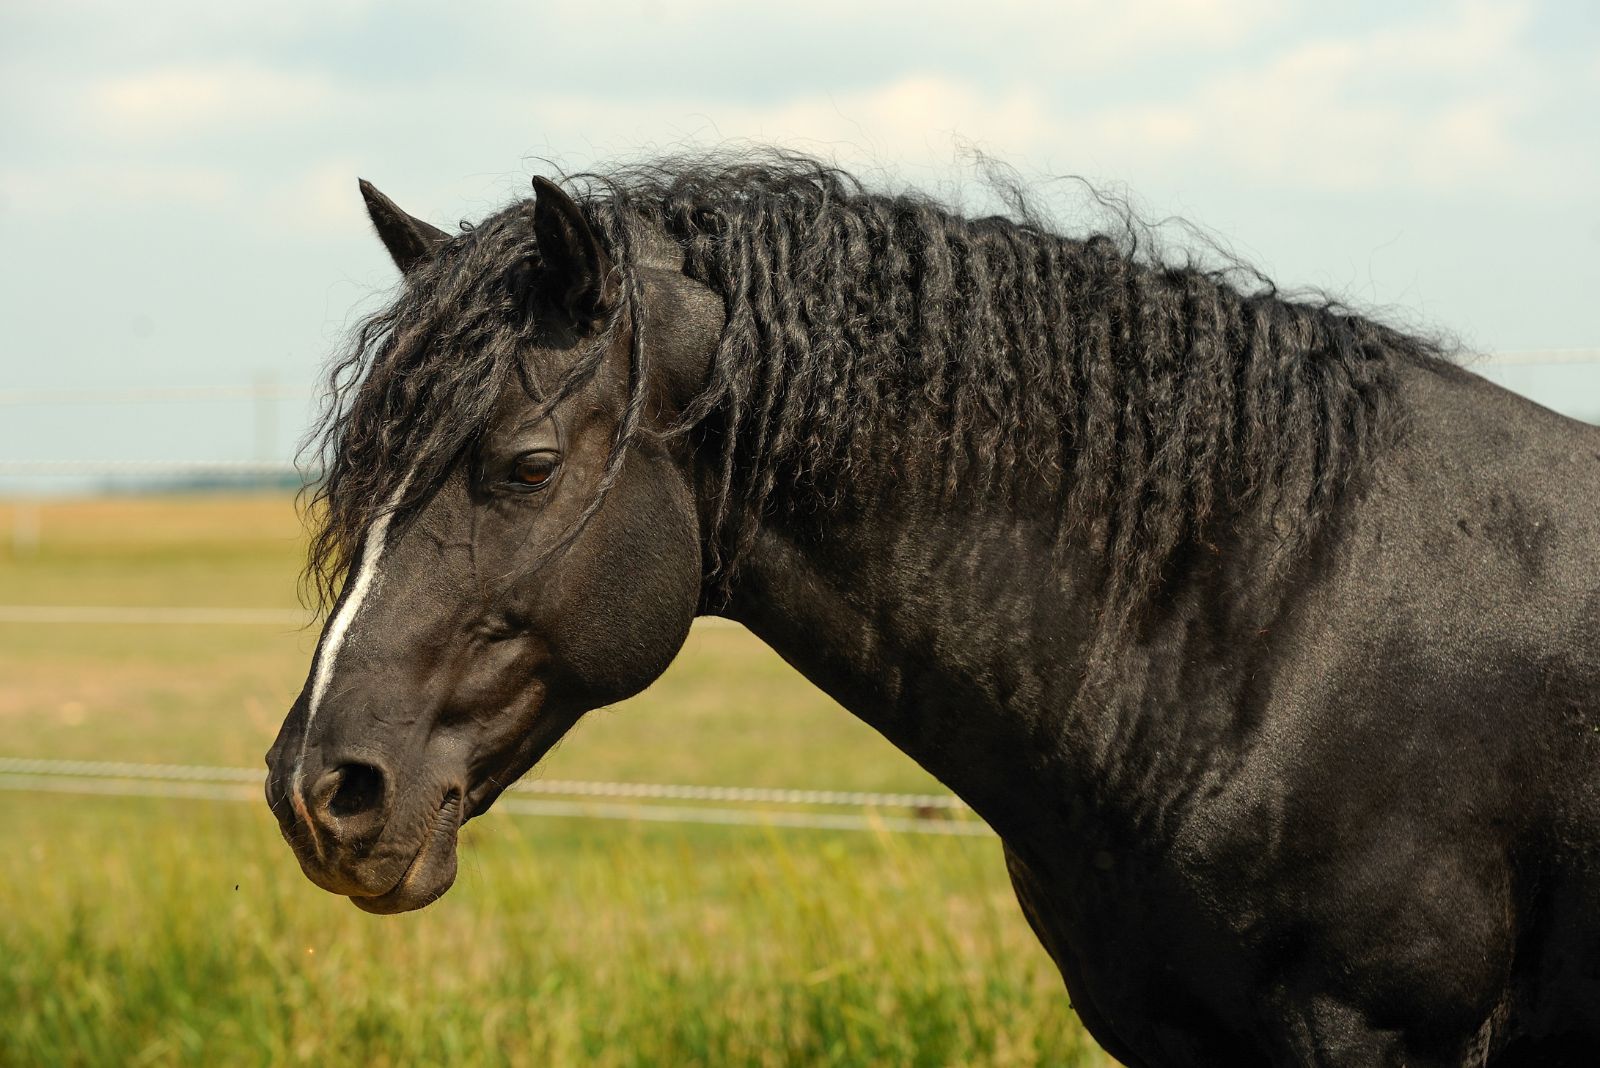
(496, 580)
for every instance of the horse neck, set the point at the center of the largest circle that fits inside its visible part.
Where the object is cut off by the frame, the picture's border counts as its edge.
(971, 643)
(934, 627)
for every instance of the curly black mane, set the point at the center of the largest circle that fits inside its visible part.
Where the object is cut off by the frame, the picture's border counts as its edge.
(1139, 400)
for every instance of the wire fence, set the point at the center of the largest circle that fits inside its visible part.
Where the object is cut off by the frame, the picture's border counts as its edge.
(149, 467)
(140, 616)
(163, 615)
(746, 806)
(749, 795)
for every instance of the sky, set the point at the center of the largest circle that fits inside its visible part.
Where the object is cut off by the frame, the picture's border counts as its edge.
(178, 202)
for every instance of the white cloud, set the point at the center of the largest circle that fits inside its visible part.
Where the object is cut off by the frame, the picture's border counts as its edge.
(192, 22)
(1432, 106)
(173, 101)
(1075, 31)
(1435, 103)
(320, 198)
(67, 188)
(914, 121)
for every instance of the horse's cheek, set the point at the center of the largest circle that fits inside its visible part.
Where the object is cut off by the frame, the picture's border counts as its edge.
(636, 583)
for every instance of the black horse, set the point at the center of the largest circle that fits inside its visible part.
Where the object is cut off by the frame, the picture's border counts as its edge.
(1266, 638)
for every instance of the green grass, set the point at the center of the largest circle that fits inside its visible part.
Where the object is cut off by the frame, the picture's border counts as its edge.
(147, 931)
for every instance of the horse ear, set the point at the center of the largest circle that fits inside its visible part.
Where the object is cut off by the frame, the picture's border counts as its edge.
(576, 273)
(410, 241)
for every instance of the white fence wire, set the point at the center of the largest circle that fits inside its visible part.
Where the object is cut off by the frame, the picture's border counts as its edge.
(158, 615)
(147, 467)
(932, 814)
(749, 795)
(154, 616)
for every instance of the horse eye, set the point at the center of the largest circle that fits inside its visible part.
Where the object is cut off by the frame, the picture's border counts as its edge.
(534, 472)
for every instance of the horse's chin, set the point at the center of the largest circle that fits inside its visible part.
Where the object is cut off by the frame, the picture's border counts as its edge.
(431, 872)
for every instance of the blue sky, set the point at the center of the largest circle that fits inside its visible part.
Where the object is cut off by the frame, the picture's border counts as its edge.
(177, 180)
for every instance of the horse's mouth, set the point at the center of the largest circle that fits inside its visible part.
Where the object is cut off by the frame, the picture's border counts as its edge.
(431, 872)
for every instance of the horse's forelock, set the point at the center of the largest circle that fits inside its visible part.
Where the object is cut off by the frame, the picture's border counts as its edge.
(420, 382)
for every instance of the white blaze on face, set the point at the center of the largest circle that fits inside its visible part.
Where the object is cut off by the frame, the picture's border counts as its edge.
(361, 585)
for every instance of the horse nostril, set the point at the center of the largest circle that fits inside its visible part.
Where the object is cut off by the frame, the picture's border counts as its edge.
(360, 790)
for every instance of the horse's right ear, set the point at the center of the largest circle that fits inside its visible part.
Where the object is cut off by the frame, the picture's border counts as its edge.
(577, 272)
(410, 241)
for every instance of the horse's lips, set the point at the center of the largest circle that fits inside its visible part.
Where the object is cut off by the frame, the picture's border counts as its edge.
(431, 872)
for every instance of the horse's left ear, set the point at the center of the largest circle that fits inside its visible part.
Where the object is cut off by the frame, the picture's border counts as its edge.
(576, 272)
(410, 241)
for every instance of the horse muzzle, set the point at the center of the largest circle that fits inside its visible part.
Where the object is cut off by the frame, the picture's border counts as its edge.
(357, 834)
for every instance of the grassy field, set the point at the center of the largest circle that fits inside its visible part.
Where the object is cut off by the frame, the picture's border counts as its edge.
(158, 931)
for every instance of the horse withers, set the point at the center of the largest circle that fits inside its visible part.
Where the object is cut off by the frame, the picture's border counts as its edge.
(1265, 637)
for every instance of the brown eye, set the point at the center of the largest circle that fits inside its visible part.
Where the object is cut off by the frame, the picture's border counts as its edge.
(534, 472)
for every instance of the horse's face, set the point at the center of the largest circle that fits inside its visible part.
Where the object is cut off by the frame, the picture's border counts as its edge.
(461, 648)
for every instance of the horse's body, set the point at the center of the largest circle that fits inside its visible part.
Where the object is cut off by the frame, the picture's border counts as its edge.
(1362, 831)
(1328, 799)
